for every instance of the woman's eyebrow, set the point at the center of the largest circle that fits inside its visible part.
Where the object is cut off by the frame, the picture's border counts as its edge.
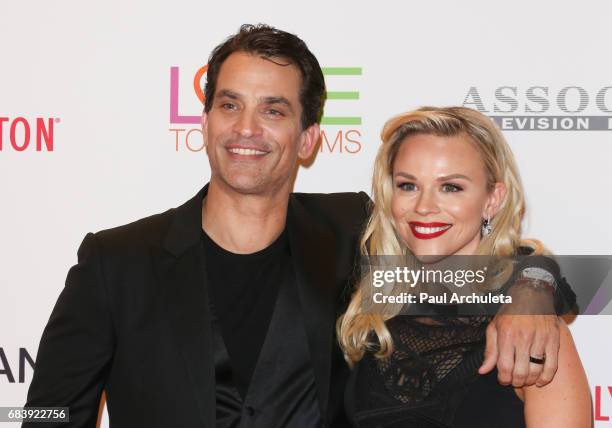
(454, 176)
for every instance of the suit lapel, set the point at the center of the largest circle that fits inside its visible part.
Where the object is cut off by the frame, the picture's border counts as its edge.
(313, 249)
(181, 271)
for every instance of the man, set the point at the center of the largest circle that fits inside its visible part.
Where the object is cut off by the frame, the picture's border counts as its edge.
(222, 311)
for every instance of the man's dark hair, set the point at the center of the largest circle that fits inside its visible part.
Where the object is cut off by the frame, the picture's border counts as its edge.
(268, 42)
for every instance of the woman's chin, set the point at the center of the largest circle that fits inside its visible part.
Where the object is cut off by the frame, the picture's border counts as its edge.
(430, 258)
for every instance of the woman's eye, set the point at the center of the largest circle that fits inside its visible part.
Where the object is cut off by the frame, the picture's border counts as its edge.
(448, 187)
(408, 187)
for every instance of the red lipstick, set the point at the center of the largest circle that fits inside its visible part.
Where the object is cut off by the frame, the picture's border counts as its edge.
(428, 233)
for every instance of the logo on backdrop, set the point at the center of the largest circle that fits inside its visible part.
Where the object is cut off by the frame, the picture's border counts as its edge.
(13, 365)
(21, 134)
(544, 108)
(340, 133)
(603, 395)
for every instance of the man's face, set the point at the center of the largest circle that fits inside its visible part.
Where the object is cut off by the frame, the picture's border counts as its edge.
(253, 130)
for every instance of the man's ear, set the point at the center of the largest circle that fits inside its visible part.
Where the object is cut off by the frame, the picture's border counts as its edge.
(205, 127)
(496, 199)
(308, 141)
(204, 122)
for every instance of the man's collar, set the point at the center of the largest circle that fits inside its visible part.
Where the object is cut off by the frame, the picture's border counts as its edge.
(186, 227)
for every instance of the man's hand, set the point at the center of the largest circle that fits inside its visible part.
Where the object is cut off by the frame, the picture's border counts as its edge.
(511, 339)
(526, 327)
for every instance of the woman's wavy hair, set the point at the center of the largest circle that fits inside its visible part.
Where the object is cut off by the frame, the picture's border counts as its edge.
(380, 237)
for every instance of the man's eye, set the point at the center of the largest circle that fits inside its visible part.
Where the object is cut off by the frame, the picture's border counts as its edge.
(408, 187)
(273, 112)
(449, 187)
(228, 106)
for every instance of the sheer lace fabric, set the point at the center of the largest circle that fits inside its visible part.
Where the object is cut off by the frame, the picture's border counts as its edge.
(426, 351)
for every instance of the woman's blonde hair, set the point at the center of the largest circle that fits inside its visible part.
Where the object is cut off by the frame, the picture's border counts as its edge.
(380, 237)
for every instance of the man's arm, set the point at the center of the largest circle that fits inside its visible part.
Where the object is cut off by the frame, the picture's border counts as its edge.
(77, 344)
(529, 326)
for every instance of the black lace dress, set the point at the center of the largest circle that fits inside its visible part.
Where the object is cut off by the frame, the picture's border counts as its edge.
(431, 380)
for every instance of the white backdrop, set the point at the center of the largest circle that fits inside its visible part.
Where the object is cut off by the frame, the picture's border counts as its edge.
(100, 75)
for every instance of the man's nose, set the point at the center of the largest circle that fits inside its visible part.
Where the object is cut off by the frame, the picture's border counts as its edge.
(247, 125)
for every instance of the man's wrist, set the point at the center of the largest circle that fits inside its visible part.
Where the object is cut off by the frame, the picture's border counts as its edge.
(530, 297)
(534, 284)
(538, 277)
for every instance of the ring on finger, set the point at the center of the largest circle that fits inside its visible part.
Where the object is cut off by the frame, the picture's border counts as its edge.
(537, 360)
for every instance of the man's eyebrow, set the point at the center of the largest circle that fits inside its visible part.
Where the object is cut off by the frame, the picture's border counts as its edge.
(277, 100)
(228, 94)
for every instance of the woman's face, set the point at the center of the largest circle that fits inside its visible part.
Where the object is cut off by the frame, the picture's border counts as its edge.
(440, 195)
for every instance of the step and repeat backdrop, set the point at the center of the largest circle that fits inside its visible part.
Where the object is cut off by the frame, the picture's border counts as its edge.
(100, 108)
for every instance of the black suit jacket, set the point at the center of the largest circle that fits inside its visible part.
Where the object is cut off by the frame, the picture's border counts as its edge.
(133, 318)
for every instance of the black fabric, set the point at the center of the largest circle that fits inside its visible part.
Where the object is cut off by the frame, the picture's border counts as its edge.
(253, 301)
(282, 391)
(430, 380)
(229, 404)
(134, 319)
(488, 404)
(242, 291)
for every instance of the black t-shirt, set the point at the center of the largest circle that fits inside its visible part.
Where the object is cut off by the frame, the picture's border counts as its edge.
(243, 289)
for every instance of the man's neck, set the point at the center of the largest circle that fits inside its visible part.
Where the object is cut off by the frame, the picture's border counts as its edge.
(240, 223)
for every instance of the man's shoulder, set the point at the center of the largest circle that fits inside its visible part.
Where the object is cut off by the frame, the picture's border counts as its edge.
(144, 232)
(342, 200)
(348, 208)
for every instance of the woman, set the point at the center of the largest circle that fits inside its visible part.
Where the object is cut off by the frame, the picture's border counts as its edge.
(445, 183)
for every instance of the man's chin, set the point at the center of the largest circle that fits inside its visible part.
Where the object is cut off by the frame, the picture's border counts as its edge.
(248, 188)
(247, 185)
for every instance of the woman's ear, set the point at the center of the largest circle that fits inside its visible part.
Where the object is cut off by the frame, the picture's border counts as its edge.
(495, 200)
